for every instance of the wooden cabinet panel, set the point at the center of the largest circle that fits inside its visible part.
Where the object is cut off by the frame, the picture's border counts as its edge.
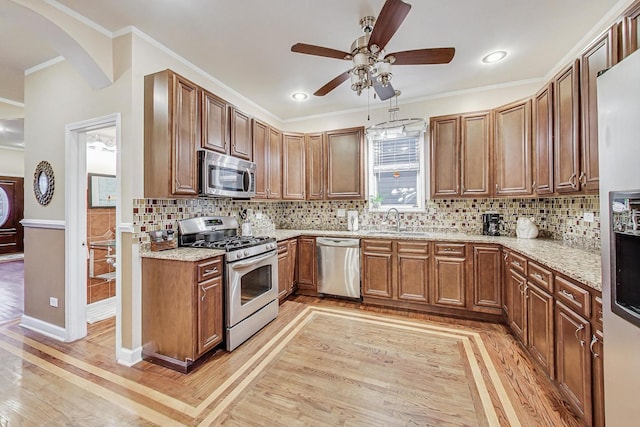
(573, 359)
(450, 249)
(630, 33)
(284, 269)
(487, 279)
(445, 156)
(307, 264)
(540, 276)
(293, 265)
(597, 355)
(261, 158)
(513, 149)
(184, 165)
(377, 274)
(215, 129)
(566, 130)
(315, 175)
(518, 263)
(293, 166)
(543, 141)
(540, 327)
(600, 55)
(210, 326)
(240, 134)
(413, 270)
(518, 309)
(274, 189)
(344, 154)
(475, 155)
(573, 296)
(449, 282)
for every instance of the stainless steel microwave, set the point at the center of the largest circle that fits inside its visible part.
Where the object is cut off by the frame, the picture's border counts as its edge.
(221, 175)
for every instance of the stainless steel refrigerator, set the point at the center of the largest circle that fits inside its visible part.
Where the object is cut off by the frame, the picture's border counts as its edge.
(619, 153)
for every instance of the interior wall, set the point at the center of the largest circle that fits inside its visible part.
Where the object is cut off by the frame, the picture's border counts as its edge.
(12, 162)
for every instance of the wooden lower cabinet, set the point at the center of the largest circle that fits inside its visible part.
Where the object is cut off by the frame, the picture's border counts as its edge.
(293, 265)
(517, 318)
(540, 327)
(449, 275)
(307, 283)
(284, 269)
(413, 269)
(182, 310)
(487, 279)
(377, 268)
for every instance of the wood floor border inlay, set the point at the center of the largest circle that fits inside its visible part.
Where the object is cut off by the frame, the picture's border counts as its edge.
(223, 396)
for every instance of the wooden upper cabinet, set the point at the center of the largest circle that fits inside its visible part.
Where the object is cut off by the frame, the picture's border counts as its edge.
(293, 166)
(445, 156)
(240, 135)
(567, 130)
(598, 56)
(172, 135)
(630, 33)
(274, 167)
(344, 154)
(543, 141)
(215, 129)
(513, 149)
(475, 155)
(315, 166)
(267, 149)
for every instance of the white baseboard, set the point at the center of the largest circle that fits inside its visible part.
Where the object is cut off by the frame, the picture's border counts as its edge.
(44, 328)
(128, 357)
(101, 310)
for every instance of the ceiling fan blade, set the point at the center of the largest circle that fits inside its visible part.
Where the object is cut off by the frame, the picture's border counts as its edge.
(384, 92)
(391, 16)
(332, 84)
(440, 55)
(310, 49)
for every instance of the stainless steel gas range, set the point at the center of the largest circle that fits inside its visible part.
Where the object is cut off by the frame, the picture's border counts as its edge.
(251, 273)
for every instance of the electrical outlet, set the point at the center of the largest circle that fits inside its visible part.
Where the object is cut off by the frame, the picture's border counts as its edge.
(53, 302)
(342, 213)
(588, 217)
(258, 215)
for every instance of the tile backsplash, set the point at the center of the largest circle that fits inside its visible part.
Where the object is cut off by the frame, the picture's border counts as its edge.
(559, 218)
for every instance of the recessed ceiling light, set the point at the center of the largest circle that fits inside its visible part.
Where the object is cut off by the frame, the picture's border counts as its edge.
(299, 96)
(494, 57)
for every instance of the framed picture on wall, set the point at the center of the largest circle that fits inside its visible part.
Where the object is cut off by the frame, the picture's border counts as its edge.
(102, 191)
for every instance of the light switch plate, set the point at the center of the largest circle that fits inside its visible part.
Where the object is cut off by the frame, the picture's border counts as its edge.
(53, 302)
(342, 213)
(258, 215)
(588, 217)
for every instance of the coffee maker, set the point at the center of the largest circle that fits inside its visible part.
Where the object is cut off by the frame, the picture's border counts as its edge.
(491, 224)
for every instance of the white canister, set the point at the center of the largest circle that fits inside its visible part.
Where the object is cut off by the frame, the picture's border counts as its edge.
(246, 229)
(526, 229)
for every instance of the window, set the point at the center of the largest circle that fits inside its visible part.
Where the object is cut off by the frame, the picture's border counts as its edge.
(396, 170)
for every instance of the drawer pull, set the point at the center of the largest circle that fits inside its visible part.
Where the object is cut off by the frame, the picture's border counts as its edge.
(516, 263)
(568, 294)
(594, 340)
(581, 327)
(211, 270)
(537, 276)
(448, 250)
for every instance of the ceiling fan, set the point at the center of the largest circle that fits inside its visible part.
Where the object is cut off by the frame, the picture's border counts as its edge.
(371, 65)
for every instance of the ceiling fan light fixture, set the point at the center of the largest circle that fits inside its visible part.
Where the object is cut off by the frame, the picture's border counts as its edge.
(493, 57)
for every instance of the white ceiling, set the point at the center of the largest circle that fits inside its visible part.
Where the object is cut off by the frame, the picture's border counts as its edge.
(246, 44)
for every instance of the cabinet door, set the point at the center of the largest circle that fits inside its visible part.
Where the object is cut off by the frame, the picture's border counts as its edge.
(540, 327)
(566, 130)
(184, 162)
(445, 156)
(284, 269)
(630, 33)
(215, 131)
(293, 264)
(413, 270)
(307, 263)
(543, 141)
(513, 149)
(210, 329)
(487, 269)
(517, 310)
(573, 359)
(344, 154)
(475, 155)
(293, 166)
(274, 167)
(377, 274)
(315, 166)
(261, 158)
(240, 134)
(600, 55)
(449, 282)
(597, 349)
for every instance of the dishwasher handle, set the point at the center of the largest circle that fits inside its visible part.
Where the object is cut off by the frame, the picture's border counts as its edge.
(337, 242)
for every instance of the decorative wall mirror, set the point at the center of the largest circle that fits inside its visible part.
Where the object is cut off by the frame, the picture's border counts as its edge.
(43, 183)
(4, 206)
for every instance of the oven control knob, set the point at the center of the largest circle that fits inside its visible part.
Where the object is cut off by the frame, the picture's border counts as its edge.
(239, 255)
(246, 253)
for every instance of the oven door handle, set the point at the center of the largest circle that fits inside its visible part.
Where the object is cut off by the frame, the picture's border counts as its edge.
(254, 261)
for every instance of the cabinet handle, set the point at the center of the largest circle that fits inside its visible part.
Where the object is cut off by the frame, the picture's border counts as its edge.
(211, 270)
(581, 327)
(505, 257)
(537, 276)
(448, 249)
(533, 186)
(573, 181)
(517, 263)
(594, 340)
(521, 288)
(496, 188)
(568, 295)
(204, 291)
(583, 178)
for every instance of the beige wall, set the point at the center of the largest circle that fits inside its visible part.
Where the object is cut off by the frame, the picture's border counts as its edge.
(44, 269)
(12, 163)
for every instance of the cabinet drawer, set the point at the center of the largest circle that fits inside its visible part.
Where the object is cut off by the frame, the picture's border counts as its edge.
(573, 296)
(209, 269)
(597, 311)
(377, 245)
(283, 247)
(413, 247)
(518, 263)
(450, 249)
(540, 276)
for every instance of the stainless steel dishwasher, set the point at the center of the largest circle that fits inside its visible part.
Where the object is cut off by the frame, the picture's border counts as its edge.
(338, 266)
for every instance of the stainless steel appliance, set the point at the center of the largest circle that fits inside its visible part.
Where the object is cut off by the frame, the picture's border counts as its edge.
(251, 273)
(338, 266)
(225, 176)
(491, 224)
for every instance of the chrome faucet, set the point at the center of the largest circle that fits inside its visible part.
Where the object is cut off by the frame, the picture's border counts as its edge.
(386, 218)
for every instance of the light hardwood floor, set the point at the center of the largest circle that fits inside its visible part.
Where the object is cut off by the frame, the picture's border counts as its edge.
(321, 362)
(11, 288)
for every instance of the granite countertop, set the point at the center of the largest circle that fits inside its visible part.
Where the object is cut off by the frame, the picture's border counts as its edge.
(183, 254)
